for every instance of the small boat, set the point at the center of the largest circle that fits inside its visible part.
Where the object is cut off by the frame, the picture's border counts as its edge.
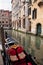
(18, 56)
(9, 41)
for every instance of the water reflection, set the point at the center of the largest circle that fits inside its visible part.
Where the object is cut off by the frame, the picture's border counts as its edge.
(33, 52)
(38, 42)
(32, 44)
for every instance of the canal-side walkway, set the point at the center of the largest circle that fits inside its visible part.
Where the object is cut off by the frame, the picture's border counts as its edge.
(41, 36)
(1, 60)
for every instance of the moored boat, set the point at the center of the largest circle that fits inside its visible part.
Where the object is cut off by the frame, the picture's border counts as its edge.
(18, 56)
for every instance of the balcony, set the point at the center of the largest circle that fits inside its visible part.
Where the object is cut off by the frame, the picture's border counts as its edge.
(40, 3)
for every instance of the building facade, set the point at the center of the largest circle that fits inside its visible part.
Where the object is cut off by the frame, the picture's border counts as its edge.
(27, 16)
(10, 19)
(5, 19)
(37, 17)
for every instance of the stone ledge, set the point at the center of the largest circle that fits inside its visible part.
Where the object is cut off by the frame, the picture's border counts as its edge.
(29, 33)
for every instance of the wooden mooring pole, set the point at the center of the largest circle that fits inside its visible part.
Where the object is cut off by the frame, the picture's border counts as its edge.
(3, 45)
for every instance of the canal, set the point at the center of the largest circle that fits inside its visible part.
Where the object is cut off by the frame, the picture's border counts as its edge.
(32, 44)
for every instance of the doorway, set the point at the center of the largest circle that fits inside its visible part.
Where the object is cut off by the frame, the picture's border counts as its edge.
(38, 29)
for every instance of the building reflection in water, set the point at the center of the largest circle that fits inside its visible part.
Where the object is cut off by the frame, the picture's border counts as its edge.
(38, 43)
(33, 45)
(33, 52)
(28, 43)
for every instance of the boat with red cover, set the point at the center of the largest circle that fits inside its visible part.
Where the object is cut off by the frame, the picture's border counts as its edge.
(18, 56)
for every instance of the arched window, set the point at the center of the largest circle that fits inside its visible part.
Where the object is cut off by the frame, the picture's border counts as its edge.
(34, 13)
(23, 23)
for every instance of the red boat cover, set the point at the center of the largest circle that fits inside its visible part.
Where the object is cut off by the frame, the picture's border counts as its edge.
(18, 51)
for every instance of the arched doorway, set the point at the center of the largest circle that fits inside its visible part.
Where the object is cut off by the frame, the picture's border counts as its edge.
(38, 29)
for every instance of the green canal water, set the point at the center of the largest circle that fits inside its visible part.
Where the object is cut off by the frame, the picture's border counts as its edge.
(32, 44)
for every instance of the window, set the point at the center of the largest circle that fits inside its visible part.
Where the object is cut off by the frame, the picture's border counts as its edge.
(30, 1)
(6, 25)
(29, 11)
(19, 23)
(10, 19)
(23, 23)
(34, 14)
(2, 14)
(24, 10)
(2, 21)
(3, 25)
(6, 21)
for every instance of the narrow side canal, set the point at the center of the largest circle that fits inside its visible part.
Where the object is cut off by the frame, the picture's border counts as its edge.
(32, 44)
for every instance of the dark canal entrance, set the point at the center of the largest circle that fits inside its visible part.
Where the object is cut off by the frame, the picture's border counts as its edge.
(32, 44)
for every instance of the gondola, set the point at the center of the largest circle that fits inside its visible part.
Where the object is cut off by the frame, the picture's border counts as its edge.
(18, 56)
